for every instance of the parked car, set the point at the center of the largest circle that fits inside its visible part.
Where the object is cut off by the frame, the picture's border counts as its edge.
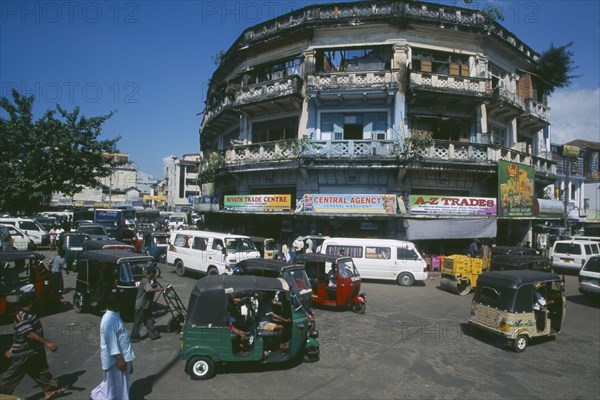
(96, 231)
(20, 239)
(573, 254)
(34, 230)
(589, 277)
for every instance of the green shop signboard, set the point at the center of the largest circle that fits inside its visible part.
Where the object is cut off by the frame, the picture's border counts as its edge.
(515, 189)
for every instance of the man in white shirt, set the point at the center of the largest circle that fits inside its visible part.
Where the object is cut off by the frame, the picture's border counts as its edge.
(116, 354)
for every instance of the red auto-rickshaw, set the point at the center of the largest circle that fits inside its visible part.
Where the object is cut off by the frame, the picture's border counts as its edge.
(334, 280)
(25, 271)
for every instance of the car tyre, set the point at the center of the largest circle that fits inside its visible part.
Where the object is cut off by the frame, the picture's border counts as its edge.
(201, 368)
(179, 268)
(212, 271)
(520, 343)
(405, 279)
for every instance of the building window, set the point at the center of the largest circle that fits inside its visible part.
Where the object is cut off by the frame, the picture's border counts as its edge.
(497, 134)
(275, 130)
(440, 63)
(375, 58)
(354, 126)
(272, 71)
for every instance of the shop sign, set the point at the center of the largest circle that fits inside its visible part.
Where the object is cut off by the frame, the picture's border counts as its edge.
(515, 188)
(570, 151)
(554, 208)
(452, 205)
(348, 203)
(258, 202)
(206, 203)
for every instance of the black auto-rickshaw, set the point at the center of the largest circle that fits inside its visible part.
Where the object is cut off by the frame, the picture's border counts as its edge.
(506, 262)
(155, 244)
(294, 275)
(102, 271)
(509, 304)
(335, 281)
(222, 306)
(25, 271)
(109, 244)
(72, 245)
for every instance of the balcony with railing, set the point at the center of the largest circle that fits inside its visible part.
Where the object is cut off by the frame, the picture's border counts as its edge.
(384, 151)
(463, 85)
(504, 95)
(257, 93)
(537, 110)
(353, 80)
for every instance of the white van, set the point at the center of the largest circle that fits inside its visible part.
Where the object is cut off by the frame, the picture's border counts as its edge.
(208, 252)
(34, 230)
(573, 254)
(381, 258)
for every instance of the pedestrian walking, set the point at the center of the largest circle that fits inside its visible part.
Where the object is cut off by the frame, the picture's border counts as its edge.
(143, 305)
(57, 264)
(27, 354)
(116, 355)
(52, 234)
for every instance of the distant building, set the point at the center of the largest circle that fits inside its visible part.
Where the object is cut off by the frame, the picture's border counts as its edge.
(182, 181)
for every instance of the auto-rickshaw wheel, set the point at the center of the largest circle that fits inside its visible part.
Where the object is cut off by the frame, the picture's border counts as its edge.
(212, 271)
(78, 305)
(311, 356)
(520, 343)
(200, 368)
(179, 268)
(405, 279)
(359, 307)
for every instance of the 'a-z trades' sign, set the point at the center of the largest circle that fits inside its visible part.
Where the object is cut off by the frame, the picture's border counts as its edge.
(348, 203)
(452, 205)
(258, 202)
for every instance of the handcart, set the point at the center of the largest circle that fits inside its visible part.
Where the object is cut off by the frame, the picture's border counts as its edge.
(176, 308)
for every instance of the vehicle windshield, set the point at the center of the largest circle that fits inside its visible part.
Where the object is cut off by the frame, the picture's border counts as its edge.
(176, 219)
(75, 241)
(347, 269)
(133, 271)
(92, 230)
(239, 245)
(161, 239)
(593, 265)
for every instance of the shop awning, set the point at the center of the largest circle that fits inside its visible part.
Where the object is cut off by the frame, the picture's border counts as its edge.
(451, 228)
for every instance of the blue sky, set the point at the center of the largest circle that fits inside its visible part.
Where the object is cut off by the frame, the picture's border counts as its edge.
(150, 62)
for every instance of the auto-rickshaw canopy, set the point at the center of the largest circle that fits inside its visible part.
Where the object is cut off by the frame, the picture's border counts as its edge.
(511, 291)
(114, 256)
(17, 255)
(106, 244)
(519, 261)
(209, 298)
(318, 257)
(262, 267)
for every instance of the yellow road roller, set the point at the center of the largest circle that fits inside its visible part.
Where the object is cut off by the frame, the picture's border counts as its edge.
(460, 273)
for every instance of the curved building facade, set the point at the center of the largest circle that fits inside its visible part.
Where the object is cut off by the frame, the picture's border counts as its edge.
(377, 119)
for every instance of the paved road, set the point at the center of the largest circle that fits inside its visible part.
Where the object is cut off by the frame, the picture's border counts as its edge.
(411, 343)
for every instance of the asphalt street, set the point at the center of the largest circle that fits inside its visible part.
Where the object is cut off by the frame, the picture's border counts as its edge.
(411, 343)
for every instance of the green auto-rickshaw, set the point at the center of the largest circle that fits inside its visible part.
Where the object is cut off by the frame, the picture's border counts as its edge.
(72, 245)
(221, 306)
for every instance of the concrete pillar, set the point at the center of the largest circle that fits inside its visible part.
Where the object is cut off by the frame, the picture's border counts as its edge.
(512, 132)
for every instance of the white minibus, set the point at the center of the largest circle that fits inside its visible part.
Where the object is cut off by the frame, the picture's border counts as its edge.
(208, 252)
(381, 258)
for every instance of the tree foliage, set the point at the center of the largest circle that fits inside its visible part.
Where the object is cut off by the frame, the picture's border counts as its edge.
(58, 152)
(555, 68)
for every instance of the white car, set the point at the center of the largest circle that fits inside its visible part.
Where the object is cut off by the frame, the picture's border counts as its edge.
(589, 276)
(20, 239)
(573, 254)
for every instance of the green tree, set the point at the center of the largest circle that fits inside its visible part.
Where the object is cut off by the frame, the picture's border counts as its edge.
(555, 68)
(58, 152)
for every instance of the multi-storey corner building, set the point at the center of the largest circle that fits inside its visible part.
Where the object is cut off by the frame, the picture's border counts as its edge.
(323, 118)
(181, 176)
(578, 180)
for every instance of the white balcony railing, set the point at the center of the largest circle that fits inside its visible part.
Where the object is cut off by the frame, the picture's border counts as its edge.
(459, 152)
(456, 84)
(354, 79)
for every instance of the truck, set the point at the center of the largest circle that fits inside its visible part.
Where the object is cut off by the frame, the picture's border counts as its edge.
(113, 221)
